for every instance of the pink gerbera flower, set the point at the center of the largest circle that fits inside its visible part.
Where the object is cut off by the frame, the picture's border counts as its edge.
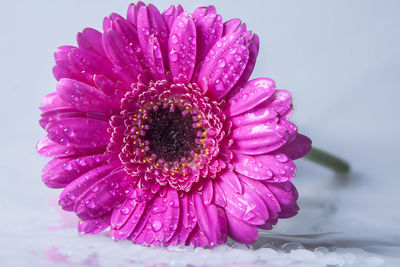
(157, 133)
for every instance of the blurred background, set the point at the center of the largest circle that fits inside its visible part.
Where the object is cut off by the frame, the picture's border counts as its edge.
(340, 60)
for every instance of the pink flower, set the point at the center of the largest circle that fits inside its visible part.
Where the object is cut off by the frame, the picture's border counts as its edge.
(157, 133)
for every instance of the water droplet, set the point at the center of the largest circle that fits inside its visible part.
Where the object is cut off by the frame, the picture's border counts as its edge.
(94, 189)
(219, 44)
(174, 203)
(174, 39)
(145, 31)
(221, 62)
(159, 209)
(281, 158)
(125, 211)
(269, 173)
(90, 204)
(173, 56)
(238, 57)
(156, 226)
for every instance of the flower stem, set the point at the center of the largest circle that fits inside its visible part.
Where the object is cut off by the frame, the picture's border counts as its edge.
(328, 160)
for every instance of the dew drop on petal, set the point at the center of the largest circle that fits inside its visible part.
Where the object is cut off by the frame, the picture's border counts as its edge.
(156, 226)
(125, 211)
(221, 62)
(174, 39)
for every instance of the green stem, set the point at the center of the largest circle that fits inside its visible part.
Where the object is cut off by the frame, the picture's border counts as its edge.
(328, 160)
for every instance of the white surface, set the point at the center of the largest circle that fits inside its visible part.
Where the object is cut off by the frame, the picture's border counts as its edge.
(341, 61)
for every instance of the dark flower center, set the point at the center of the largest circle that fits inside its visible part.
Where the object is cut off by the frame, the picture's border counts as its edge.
(171, 134)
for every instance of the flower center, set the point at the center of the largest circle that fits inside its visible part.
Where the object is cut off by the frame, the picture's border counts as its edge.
(171, 135)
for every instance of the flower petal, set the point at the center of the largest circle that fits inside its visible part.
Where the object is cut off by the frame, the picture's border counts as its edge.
(224, 65)
(208, 192)
(121, 54)
(241, 231)
(164, 218)
(298, 148)
(170, 14)
(230, 178)
(211, 221)
(75, 189)
(255, 139)
(79, 132)
(94, 226)
(280, 101)
(90, 39)
(84, 97)
(253, 93)
(132, 12)
(257, 115)
(47, 148)
(247, 206)
(59, 172)
(111, 190)
(209, 27)
(52, 101)
(274, 167)
(187, 221)
(287, 196)
(182, 47)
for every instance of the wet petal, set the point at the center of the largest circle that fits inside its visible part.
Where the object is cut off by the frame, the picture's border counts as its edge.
(287, 196)
(94, 226)
(75, 189)
(47, 148)
(132, 13)
(223, 65)
(182, 46)
(79, 132)
(280, 101)
(111, 191)
(52, 101)
(247, 206)
(276, 167)
(90, 39)
(187, 221)
(208, 192)
(121, 54)
(240, 231)
(170, 14)
(260, 114)
(209, 27)
(59, 172)
(211, 221)
(260, 138)
(298, 148)
(84, 97)
(253, 93)
(230, 178)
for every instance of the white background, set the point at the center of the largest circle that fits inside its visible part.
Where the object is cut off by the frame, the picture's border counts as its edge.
(341, 61)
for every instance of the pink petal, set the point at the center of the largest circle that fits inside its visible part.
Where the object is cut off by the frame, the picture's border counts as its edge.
(275, 167)
(219, 196)
(84, 97)
(240, 231)
(287, 196)
(151, 23)
(164, 217)
(88, 64)
(255, 139)
(197, 238)
(155, 59)
(230, 178)
(59, 172)
(63, 68)
(182, 46)
(121, 214)
(187, 221)
(234, 25)
(265, 194)
(210, 220)
(298, 148)
(209, 29)
(90, 39)
(247, 206)
(224, 65)
(48, 148)
(52, 101)
(170, 14)
(121, 54)
(253, 93)
(208, 192)
(110, 192)
(257, 115)
(132, 13)
(280, 101)
(94, 226)
(253, 44)
(75, 189)
(123, 227)
(79, 132)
